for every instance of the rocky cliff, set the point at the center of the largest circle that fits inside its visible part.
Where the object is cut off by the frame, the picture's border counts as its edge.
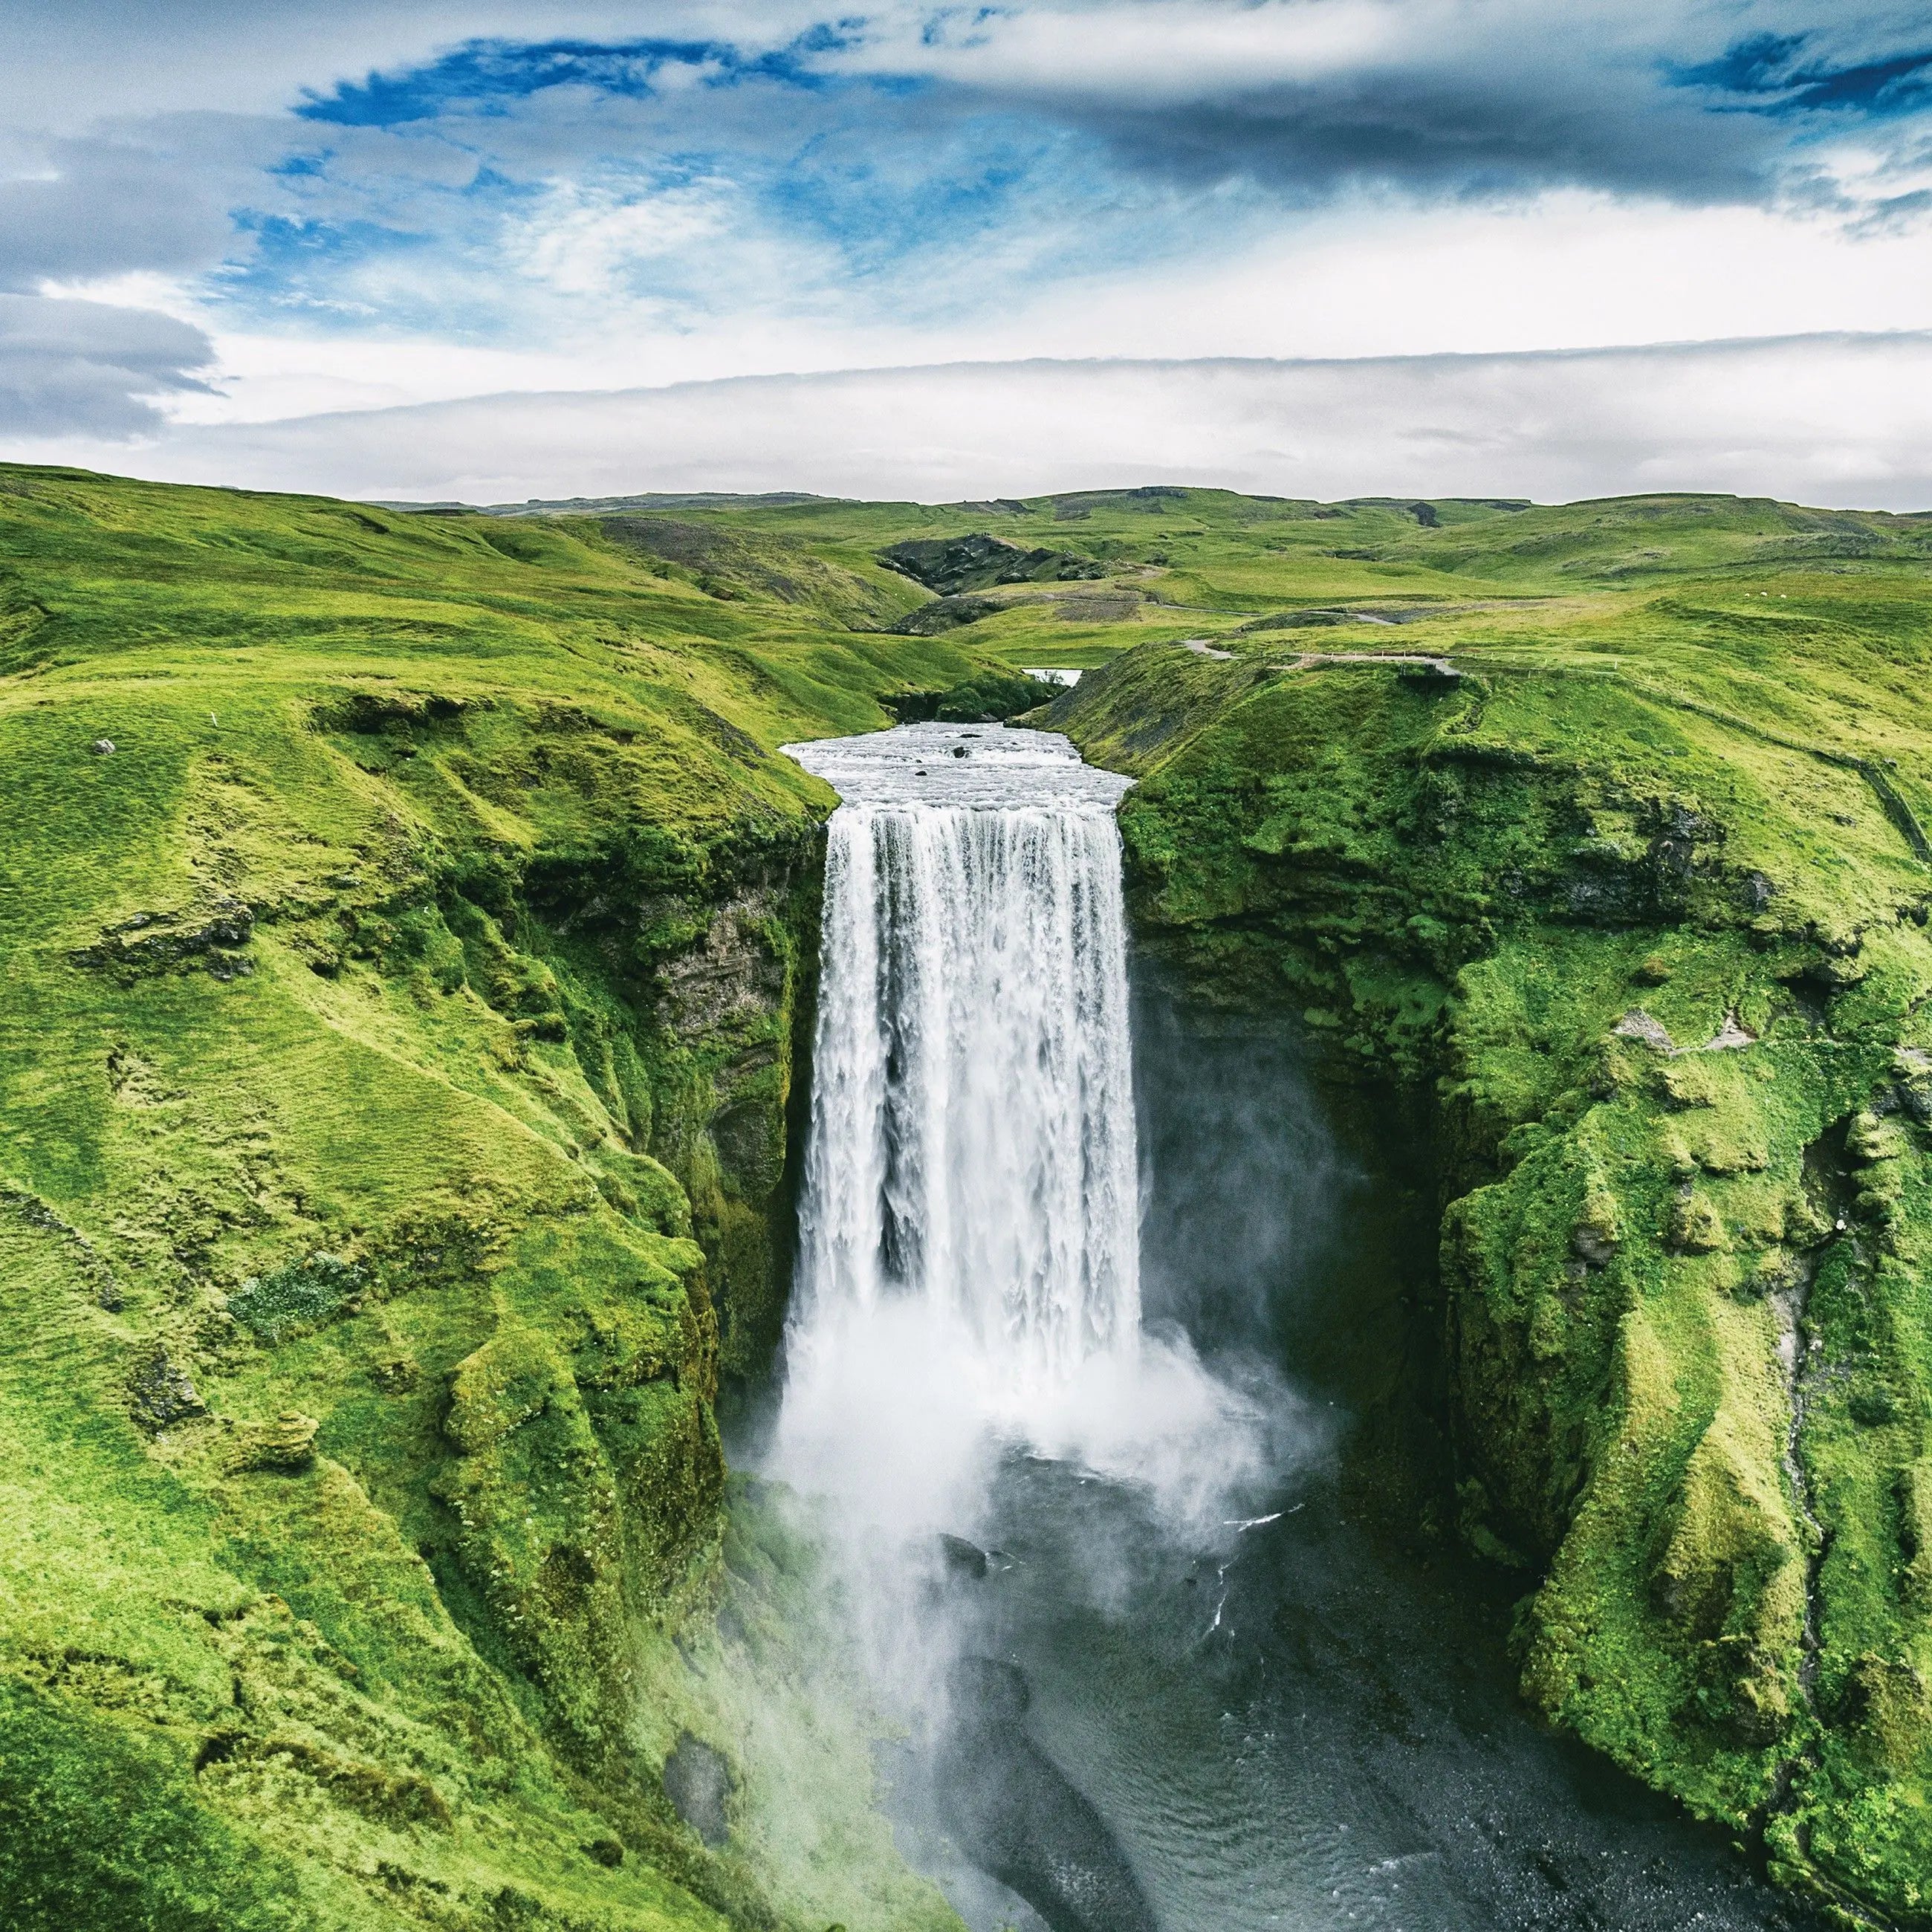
(409, 930)
(1648, 940)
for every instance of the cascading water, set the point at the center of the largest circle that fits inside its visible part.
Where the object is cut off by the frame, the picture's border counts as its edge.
(969, 1269)
(972, 1137)
(968, 1289)
(1148, 1669)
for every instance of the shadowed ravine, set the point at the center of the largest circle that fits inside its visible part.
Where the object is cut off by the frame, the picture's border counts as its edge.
(1157, 1573)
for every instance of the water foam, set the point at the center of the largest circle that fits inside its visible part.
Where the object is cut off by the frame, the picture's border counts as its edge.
(969, 1268)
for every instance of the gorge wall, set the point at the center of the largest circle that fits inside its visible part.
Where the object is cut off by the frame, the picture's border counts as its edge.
(408, 938)
(1660, 974)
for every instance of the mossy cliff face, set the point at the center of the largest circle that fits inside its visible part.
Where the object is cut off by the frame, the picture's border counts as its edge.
(407, 924)
(1650, 942)
(407, 928)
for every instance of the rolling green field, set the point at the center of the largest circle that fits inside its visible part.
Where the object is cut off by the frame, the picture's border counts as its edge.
(400, 1037)
(396, 1049)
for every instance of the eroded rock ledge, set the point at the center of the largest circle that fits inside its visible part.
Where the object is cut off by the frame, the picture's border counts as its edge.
(1675, 1040)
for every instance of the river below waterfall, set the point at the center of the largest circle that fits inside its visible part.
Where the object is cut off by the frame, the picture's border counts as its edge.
(1105, 1370)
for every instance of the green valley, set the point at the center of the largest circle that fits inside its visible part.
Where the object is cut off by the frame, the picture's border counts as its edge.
(410, 933)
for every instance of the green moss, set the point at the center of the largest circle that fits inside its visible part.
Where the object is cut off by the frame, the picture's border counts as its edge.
(1630, 898)
(397, 1038)
(105, 1829)
(300, 1296)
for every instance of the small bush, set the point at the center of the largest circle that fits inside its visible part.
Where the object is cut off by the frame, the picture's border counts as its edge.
(298, 1298)
(992, 697)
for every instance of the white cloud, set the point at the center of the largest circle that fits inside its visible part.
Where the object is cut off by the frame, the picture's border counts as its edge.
(1149, 52)
(1170, 53)
(1573, 271)
(588, 242)
(1568, 270)
(1834, 419)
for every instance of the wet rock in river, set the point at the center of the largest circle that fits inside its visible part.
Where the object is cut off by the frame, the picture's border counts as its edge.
(962, 1559)
(1026, 1823)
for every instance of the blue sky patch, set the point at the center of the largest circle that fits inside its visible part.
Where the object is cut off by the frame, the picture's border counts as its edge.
(1767, 70)
(1760, 64)
(1896, 86)
(855, 179)
(484, 76)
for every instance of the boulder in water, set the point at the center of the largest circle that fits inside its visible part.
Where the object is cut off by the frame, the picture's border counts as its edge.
(1020, 1818)
(962, 1559)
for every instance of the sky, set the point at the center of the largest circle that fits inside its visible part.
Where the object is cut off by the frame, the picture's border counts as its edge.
(1319, 248)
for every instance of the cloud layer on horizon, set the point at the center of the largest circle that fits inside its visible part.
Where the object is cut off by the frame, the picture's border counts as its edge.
(1832, 420)
(293, 211)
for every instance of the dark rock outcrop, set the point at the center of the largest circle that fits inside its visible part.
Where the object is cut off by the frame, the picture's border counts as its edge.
(951, 564)
(162, 1393)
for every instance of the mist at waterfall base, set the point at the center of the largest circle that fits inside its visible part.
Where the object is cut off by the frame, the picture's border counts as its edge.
(968, 1285)
(1078, 1345)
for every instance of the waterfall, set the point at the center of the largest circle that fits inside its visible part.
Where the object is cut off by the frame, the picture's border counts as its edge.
(971, 1153)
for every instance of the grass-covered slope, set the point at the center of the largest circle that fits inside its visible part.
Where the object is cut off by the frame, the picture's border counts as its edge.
(396, 1042)
(398, 1037)
(1630, 874)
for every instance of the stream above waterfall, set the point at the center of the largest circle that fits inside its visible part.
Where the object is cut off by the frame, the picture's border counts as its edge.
(1108, 1343)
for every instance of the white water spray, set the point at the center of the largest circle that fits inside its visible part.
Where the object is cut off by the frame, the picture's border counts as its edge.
(969, 1274)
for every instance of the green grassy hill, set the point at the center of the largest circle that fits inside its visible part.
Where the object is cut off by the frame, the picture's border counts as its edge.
(400, 1032)
(396, 1046)
(1622, 867)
